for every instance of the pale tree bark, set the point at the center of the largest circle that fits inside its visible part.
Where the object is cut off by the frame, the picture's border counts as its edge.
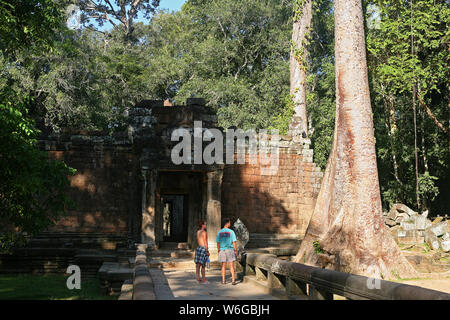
(298, 66)
(391, 128)
(392, 131)
(347, 221)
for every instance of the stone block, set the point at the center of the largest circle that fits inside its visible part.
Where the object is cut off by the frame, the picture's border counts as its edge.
(439, 229)
(410, 236)
(419, 221)
(400, 210)
(408, 225)
(414, 259)
(432, 240)
(445, 245)
(401, 233)
(390, 222)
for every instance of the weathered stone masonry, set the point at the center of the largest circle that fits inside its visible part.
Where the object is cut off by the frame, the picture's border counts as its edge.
(275, 204)
(122, 179)
(104, 189)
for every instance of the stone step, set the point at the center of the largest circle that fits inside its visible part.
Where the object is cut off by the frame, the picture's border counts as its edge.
(43, 252)
(115, 271)
(78, 240)
(95, 258)
(112, 276)
(126, 291)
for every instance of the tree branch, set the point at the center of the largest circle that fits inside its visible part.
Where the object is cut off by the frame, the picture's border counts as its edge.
(431, 115)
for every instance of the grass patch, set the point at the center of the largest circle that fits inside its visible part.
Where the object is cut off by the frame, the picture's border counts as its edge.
(48, 287)
(426, 248)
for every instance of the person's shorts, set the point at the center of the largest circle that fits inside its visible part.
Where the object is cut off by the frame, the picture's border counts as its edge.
(201, 255)
(227, 255)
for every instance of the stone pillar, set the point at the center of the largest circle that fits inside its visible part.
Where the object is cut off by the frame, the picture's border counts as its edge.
(149, 206)
(213, 209)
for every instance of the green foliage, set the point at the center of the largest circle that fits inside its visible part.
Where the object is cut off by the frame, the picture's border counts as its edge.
(8, 240)
(238, 59)
(298, 9)
(235, 54)
(317, 248)
(393, 70)
(282, 120)
(408, 46)
(32, 186)
(427, 186)
(320, 99)
(32, 189)
(120, 14)
(28, 23)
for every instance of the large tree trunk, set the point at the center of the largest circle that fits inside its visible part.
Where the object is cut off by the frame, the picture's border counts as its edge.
(347, 221)
(298, 66)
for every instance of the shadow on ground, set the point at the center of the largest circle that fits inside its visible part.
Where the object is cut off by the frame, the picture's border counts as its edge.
(183, 285)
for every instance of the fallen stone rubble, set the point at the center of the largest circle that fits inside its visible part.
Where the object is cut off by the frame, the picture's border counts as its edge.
(410, 227)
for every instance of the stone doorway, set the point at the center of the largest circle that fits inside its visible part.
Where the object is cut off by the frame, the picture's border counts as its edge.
(163, 190)
(175, 214)
(180, 198)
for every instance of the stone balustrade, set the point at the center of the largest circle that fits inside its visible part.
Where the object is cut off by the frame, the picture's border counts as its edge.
(299, 280)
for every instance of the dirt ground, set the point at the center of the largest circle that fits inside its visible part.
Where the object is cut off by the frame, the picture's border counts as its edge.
(433, 266)
(435, 284)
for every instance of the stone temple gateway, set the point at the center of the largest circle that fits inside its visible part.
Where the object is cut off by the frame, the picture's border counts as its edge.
(127, 190)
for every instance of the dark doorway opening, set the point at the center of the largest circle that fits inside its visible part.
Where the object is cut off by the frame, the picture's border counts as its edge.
(175, 213)
(182, 196)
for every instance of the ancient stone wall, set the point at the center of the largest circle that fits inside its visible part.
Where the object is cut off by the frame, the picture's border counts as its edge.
(116, 185)
(104, 188)
(280, 203)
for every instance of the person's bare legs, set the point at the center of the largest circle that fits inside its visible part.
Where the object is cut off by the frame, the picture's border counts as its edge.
(232, 271)
(204, 274)
(197, 271)
(224, 269)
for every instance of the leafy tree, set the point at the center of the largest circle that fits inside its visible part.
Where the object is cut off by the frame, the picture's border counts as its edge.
(120, 14)
(239, 59)
(347, 223)
(32, 189)
(298, 64)
(32, 186)
(321, 92)
(27, 23)
(408, 63)
(236, 55)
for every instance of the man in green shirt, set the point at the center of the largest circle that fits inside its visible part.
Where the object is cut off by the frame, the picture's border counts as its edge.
(226, 247)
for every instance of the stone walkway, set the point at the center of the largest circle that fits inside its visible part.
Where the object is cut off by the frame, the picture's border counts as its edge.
(182, 285)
